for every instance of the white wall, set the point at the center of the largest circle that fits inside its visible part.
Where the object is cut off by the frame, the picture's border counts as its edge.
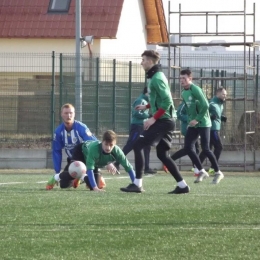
(13, 45)
(131, 35)
(33, 62)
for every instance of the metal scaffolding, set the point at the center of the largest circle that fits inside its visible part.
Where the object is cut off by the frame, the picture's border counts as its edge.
(249, 61)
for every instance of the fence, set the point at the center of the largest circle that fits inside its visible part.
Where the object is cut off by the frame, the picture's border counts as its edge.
(34, 86)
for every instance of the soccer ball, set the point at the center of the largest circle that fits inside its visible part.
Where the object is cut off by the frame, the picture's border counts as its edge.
(77, 169)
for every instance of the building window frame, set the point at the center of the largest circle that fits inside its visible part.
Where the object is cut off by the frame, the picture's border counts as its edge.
(53, 9)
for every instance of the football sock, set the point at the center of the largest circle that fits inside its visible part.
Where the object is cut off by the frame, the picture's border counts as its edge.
(57, 177)
(132, 175)
(196, 170)
(82, 177)
(182, 184)
(138, 182)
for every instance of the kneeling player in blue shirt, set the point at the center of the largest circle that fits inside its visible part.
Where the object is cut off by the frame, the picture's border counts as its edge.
(67, 135)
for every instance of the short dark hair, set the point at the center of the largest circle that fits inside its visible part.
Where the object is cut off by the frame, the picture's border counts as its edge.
(219, 89)
(109, 136)
(154, 55)
(145, 90)
(186, 72)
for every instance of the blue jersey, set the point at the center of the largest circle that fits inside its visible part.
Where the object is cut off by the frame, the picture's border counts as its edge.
(67, 140)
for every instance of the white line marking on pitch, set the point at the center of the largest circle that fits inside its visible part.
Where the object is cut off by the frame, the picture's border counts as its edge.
(227, 195)
(107, 178)
(39, 182)
(6, 183)
(147, 176)
(167, 227)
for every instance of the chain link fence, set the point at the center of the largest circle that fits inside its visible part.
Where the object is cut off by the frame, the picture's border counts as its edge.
(33, 87)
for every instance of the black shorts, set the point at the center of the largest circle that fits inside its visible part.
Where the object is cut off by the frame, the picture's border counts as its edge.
(161, 131)
(78, 154)
(66, 180)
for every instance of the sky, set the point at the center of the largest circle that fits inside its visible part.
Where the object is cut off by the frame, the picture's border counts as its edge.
(225, 23)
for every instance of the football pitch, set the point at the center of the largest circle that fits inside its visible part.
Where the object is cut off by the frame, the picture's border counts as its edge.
(211, 222)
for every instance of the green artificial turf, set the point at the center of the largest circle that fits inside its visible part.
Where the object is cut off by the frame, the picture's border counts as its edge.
(211, 222)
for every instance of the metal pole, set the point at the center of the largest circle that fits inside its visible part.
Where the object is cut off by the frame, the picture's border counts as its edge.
(130, 92)
(61, 83)
(234, 102)
(53, 95)
(180, 64)
(201, 75)
(78, 78)
(256, 87)
(169, 42)
(254, 61)
(97, 95)
(212, 83)
(256, 105)
(222, 75)
(114, 94)
(245, 88)
(217, 82)
(254, 73)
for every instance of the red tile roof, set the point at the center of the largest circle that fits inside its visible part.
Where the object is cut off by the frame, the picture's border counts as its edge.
(30, 19)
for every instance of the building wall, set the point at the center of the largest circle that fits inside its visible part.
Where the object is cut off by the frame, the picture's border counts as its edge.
(36, 54)
(131, 35)
(43, 46)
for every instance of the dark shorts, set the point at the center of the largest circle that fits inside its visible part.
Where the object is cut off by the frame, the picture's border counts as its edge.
(66, 180)
(161, 131)
(78, 154)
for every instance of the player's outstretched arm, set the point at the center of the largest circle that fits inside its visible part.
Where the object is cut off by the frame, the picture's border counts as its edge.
(92, 181)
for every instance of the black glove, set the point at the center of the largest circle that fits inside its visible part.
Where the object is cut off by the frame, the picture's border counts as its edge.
(213, 117)
(223, 118)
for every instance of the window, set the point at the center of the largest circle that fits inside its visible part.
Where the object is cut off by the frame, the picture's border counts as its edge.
(59, 6)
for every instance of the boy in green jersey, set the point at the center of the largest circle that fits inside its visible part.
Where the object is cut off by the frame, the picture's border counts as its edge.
(199, 124)
(96, 154)
(136, 128)
(215, 111)
(182, 116)
(159, 128)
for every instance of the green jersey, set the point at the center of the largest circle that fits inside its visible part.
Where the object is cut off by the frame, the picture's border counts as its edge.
(160, 95)
(139, 116)
(183, 117)
(197, 105)
(216, 110)
(95, 157)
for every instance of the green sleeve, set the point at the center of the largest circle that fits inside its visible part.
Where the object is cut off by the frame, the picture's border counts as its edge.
(203, 102)
(162, 89)
(90, 159)
(121, 158)
(213, 110)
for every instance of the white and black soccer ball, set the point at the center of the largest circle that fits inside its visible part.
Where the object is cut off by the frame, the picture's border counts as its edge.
(77, 169)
